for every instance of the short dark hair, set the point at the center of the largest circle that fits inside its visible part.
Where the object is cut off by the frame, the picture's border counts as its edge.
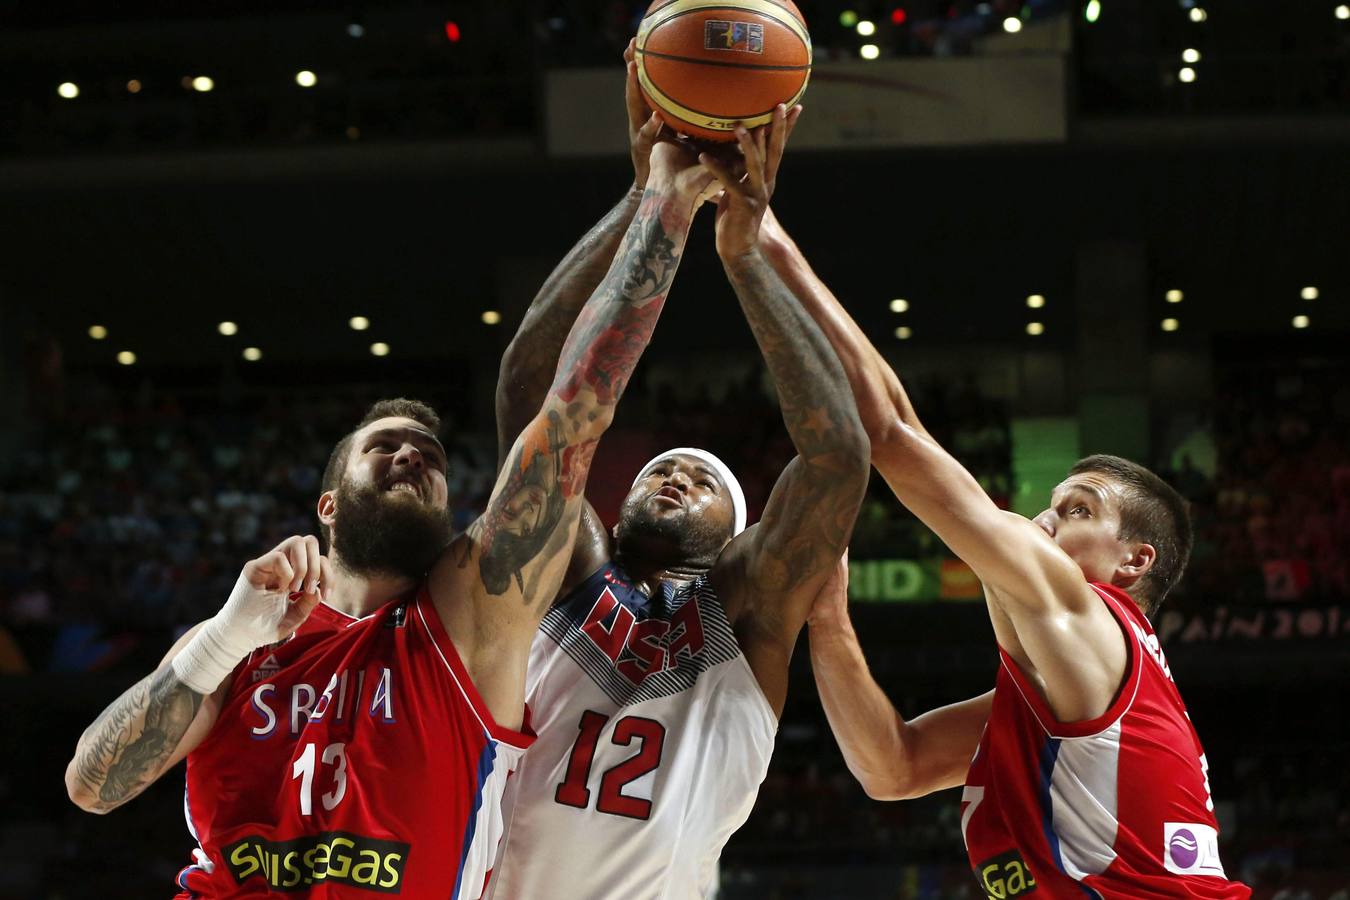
(1151, 511)
(396, 407)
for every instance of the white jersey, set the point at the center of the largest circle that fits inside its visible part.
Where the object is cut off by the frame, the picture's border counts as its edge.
(654, 737)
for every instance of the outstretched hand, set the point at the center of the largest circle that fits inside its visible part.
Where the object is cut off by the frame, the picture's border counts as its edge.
(643, 125)
(746, 197)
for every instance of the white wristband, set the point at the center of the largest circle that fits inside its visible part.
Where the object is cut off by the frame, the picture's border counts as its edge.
(224, 640)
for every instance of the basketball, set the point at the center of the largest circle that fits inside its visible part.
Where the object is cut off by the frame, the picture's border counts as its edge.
(706, 66)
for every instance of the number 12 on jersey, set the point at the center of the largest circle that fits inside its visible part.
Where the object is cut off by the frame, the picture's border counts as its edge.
(650, 735)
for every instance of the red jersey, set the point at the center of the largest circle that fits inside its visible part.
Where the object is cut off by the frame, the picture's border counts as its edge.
(1116, 807)
(355, 756)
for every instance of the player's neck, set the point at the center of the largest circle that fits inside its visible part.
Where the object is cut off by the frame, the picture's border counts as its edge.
(357, 594)
(649, 579)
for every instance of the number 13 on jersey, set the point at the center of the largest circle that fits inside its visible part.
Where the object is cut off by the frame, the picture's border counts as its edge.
(650, 737)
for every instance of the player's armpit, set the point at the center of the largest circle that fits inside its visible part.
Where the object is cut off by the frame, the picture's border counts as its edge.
(1044, 612)
(780, 563)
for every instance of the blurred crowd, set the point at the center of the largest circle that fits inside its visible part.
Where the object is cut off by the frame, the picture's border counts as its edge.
(126, 518)
(1270, 490)
(133, 514)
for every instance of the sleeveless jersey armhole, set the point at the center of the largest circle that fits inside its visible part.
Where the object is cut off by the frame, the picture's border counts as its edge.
(431, 621)
(1120, 703)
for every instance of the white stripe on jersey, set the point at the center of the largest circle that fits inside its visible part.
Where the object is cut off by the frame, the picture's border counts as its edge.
(1083, 802)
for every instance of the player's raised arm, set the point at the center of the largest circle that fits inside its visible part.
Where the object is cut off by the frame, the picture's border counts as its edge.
(1042, 608)
(511, 561)
(531, 359)
(770, 574)
(161, 718)
(892, 759)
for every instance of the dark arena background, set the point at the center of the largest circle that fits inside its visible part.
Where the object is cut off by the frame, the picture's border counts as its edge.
(1118, 226)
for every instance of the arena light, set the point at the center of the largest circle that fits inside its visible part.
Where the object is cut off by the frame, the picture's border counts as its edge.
(98, 332)
(134, 86)
(358, 323)
(379, 348)
(1170, 324)
(356, 30)
(898, 16)
(1175, 296)
(1093, 11)
(869, 51)
(1187, 75)
(1343, 12)
(252, 354)
(899, 306)
(203, 84)
(1198, 14)
(1190, 55)
(866, 27)
(68, 90)
(1300, 321)
(229, 329)
(1012, 24)
(848, 18)
(1035, 329)
(306, 79)
(126, 358)
(491, 317)
(1035, 301)
(1309, 293)
(904, 332)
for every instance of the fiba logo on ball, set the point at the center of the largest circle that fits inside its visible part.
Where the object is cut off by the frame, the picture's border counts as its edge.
(744, 36)
(1185, 849)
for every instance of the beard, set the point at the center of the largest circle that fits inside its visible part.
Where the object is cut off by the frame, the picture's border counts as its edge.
(668, 540)
(377, 533)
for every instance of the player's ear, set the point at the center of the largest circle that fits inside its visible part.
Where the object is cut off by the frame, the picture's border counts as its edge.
(327, 508)
(1136, 565)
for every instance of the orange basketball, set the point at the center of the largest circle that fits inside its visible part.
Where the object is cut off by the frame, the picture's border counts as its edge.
(708, 65)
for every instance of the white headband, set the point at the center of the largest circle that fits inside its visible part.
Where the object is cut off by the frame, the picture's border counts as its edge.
(723, 471)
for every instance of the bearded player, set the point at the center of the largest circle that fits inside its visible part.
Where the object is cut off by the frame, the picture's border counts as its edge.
(1087, 779)
(657, 679)
(350, 720)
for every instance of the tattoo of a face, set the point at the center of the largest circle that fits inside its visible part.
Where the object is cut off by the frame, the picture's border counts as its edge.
(116, 765)
(524, 511)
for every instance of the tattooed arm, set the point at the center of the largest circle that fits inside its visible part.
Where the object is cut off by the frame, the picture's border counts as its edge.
(140, 736)
(165, 715)
(498, 579)
(1041, 608)
(770, 575)
(531, 359)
